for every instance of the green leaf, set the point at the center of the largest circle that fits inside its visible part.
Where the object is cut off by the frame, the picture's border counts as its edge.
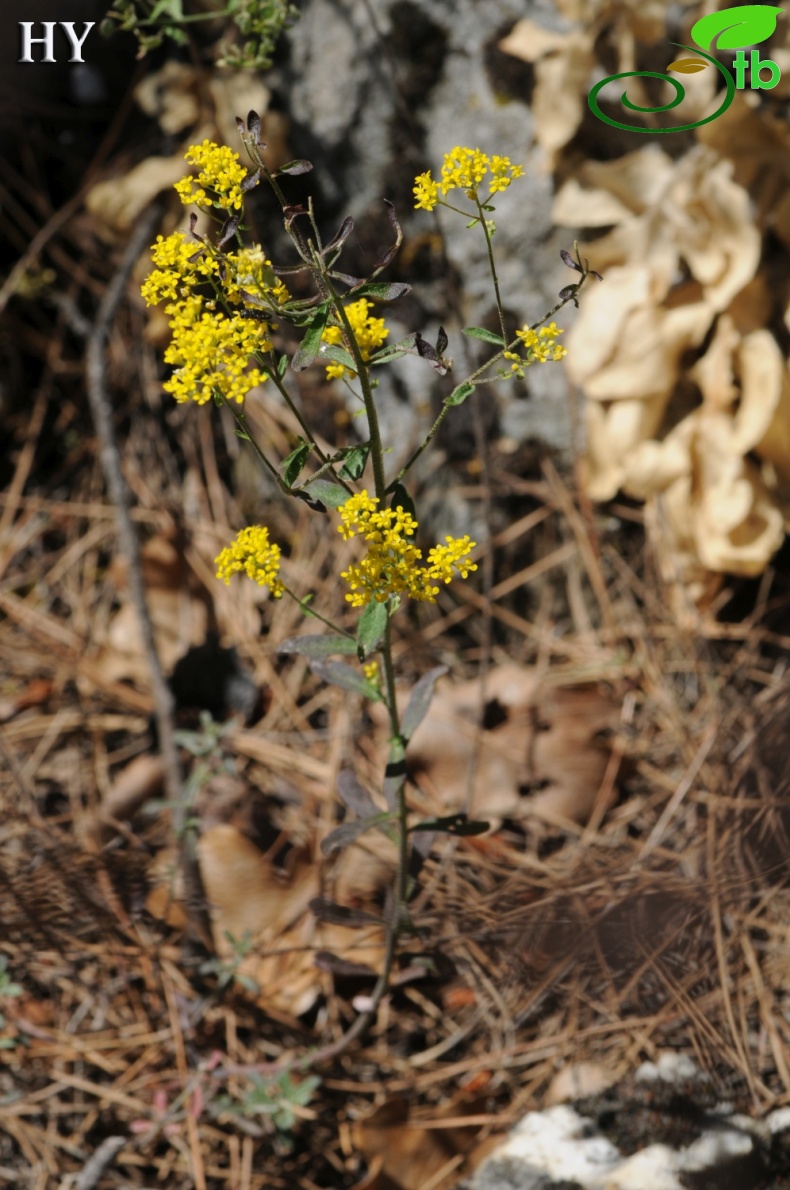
(348, 832)
(452, 824)
(402, 499)
(371, 628)
(282, 366)
(459, 395)
(300, 166)
(329, 493)
(394, 351)
(339, 674)
(748, 24)
(480, 332)
(383, 290)
(293, 464)
(355, 796)
(420, 700)
(338, 355)
(318, 646)
(311, 343)
(356, 458)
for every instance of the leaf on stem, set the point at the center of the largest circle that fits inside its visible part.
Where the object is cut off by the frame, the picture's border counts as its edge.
(309, 347)
(299, 166)
(338, 355)
(356, 458)
(459, 395)
(420, 700)
(384, 291)
(394, 351)
(318, 646)
(329, 493)
(338, 674)
(480, 332)
(293, 464)
(371, 628)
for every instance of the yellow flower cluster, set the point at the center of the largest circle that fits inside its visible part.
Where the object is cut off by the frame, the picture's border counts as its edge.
(209, 349)
(253, 553)
(220, 172)
(180, 266)
(539, 346)
(369, 333)
(465, 169)
(252, 273)
(391, 564)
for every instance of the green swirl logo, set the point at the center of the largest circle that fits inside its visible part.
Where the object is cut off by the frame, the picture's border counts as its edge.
(732, 29)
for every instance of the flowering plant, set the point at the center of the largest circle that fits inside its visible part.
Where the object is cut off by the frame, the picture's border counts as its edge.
(225, 300)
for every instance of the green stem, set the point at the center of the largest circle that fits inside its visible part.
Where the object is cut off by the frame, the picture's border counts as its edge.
(492, 267)
(309, 611)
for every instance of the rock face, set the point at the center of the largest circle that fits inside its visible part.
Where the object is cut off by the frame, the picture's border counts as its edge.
(378, 92)
(678, 1137)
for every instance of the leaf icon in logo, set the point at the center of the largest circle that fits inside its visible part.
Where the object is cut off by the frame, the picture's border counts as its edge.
(735, 28)
(687, 65)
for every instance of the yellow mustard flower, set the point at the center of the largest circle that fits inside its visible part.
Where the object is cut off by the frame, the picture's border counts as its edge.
(390, 566)
(180, 265)
(256, 555)
(465, 169)
(219, 172)
(210, 352)
(540, 345)
(369, 333)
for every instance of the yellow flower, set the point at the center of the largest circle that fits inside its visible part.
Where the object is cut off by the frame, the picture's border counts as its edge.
(390, 566)
(210, 352)
(220, 172)
(253, 553)
(181, 265)
(465, 169)
(540, 345)
(369, 333)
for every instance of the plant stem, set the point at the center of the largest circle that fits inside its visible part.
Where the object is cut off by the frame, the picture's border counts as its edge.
(492, 266)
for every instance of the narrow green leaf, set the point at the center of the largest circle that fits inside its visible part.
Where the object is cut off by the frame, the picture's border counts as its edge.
(329, 493)
(420, 700)
(293, 464)
(394, 351)
(347, 832)
(299, 166)
(452, 824)
(480, 332)
(339, 674)
(318, 646)
(383, 290)
(282, 366)
(338, 355)
(459, 395)
(355, 461)
(371, 628)
(311, 343)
